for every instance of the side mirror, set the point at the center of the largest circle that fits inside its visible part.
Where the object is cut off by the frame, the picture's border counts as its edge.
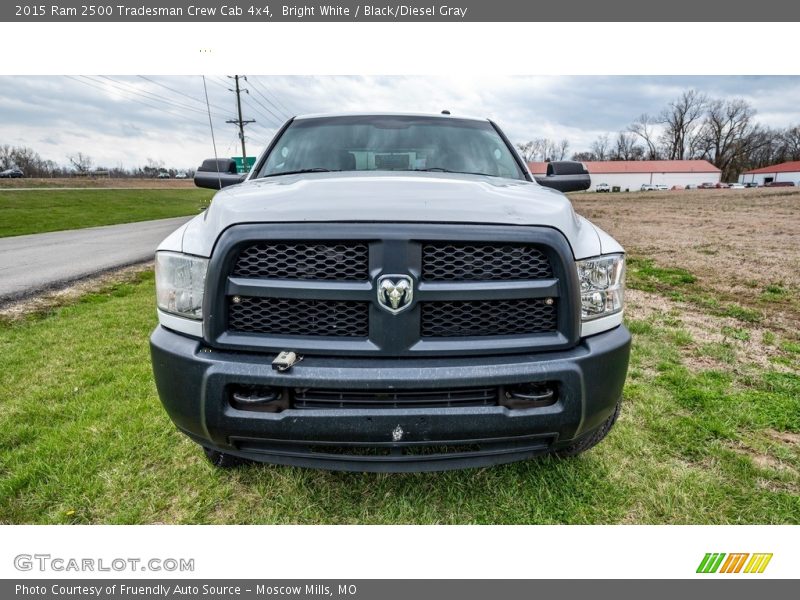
(566, 176)
(216, 174)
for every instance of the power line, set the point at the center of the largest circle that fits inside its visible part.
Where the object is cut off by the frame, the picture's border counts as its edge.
(120, 85)
(271, 117)
(279, 120)
(260, 138)
(283, 114)
(286, 111)
(240, 122)
(100, 86)
(221, 83)
(166, 87)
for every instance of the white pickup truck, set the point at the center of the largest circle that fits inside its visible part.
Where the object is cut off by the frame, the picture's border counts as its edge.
(390, 292)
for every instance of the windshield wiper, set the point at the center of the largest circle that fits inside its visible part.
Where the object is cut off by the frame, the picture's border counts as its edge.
(297, 171)
(443, 170)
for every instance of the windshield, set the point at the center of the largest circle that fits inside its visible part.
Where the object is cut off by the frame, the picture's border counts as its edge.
(391, 143)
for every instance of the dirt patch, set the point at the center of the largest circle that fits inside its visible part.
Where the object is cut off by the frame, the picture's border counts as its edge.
(738, 243)
(48, 300)
(778, 486)
(745, 342)
(762, 460)
(792, 439)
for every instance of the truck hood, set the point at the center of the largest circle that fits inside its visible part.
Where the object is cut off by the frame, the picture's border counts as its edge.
(389, 197)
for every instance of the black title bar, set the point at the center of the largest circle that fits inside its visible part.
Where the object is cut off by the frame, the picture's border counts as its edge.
(407, 11)
(398, 589)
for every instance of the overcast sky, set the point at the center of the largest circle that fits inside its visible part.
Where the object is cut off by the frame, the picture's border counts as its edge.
(126, 120)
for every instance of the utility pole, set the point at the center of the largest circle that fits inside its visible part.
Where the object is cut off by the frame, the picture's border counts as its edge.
(240, 122)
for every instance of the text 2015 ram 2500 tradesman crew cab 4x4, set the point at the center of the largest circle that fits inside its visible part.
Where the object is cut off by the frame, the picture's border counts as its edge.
(388, 292)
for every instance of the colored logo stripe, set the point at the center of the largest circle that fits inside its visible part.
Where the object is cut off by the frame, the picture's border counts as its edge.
(758, 563)
(733, 564)
(710, 562)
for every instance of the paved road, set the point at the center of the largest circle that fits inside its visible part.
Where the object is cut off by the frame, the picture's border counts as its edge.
(31, 263)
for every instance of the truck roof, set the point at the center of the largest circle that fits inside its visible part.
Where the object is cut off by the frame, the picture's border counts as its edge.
(387, 114)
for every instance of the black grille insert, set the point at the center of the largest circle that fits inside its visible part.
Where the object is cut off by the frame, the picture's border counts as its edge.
(483, 262)
(319, 398)
(342, 261)
(488, 317)
(285, 316)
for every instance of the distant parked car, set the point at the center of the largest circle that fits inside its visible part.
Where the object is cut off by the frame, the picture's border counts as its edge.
(721, 185)
(181, 176)
(690, 186)
(737, 186)
(707, 186)
(163, 175)
(647, 187)
(12, 173)
(660, 187)
(677, 187)
(779, 184)
(751, 184)
(602, 187)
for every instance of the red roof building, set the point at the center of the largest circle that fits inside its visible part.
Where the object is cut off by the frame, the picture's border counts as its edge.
(632, 174)
(783, 172)
(637, 166)
(792, 166)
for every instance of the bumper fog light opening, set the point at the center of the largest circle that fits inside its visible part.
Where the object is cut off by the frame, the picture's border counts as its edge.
(259, 398)
(529, 395)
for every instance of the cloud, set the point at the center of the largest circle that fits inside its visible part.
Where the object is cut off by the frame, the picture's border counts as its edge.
(124, 120)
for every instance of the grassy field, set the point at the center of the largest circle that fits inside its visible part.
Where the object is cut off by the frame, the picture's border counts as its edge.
(97, 182)
(709, 433)
(37, 211)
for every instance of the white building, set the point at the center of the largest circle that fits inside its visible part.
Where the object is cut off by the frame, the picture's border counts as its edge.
(788, 171)
(632, 174)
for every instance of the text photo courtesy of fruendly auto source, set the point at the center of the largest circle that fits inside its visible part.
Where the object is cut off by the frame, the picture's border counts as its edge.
(236, 298)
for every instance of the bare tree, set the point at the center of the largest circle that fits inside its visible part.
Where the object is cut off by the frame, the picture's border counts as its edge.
(560, 150)
(626, 147)
(763, 149)
(790, 142)
(600, 147)
(82, 162)
(729, 134)
(528, 150)
(583, 156)
(645, 128)
(543, 149)
(6, 157)
(26, 159)
(682, 121)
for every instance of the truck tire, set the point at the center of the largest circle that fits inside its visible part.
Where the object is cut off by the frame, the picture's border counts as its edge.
(591, 440)
(222, 460)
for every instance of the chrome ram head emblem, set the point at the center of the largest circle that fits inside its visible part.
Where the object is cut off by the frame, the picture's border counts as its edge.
(395, 292)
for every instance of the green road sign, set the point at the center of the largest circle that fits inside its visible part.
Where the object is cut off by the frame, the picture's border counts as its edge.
(240, 168)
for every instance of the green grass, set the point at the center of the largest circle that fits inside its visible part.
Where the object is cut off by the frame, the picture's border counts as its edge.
(38, 211)
(681, 285)
(648, 277)
(83, 439)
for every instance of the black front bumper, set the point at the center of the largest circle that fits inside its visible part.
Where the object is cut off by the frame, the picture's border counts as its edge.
(193, 380)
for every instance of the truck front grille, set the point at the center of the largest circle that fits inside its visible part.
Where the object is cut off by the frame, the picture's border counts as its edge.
(487, 317)
(318, 398)
(313, 289)
(483, 262)
(285, 316)
(327, 261)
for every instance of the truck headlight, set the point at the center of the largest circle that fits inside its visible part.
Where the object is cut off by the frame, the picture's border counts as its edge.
(602, 284)
(180, 281)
